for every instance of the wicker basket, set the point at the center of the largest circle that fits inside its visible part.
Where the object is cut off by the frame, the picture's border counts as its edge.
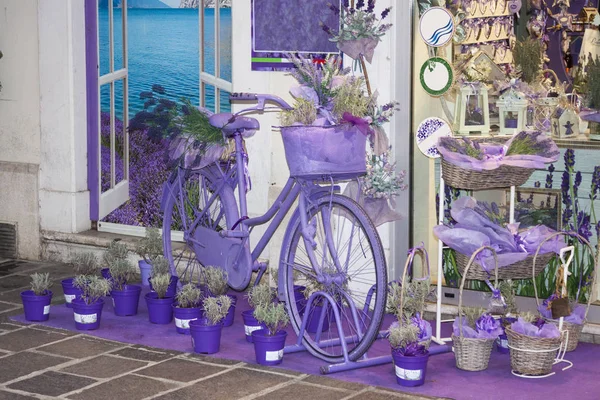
(531, 355)
(472, 354)
(574, 332)
(519, 270)
(468, 179)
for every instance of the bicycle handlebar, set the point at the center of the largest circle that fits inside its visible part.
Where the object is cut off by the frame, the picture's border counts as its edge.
(261, 98)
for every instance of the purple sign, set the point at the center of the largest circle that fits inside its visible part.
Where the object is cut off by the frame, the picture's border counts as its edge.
(290, 26)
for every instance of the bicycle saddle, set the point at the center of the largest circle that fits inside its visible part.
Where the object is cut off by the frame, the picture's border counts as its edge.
(246, 125)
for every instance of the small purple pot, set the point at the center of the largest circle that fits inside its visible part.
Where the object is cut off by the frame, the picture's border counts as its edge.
(502, 344)
(268, 349)
(410, 371)
(87, 317)
(251, 324)
(314, 317)
(126, 301)
(206, 339)
(183, 317)
(145, 270)
(71, 292)
(228, 321)
(160, 311)
(37, 308)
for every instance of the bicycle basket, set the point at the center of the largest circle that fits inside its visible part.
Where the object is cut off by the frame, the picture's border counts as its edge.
(323, 151)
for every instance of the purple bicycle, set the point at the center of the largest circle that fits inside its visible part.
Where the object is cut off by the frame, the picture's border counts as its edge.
(330, 243)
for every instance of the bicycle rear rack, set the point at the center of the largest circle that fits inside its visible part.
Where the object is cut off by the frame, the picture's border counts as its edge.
(364, 361)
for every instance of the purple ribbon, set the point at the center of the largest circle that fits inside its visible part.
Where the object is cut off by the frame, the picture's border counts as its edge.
(359, 123)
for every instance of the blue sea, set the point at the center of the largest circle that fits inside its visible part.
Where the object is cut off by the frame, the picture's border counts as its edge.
(163, 49)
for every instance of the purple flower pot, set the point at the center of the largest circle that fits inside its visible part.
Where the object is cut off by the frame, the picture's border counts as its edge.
(251, 324)
(300, 299)
(183, 316)
(87, 317)
(206, 339)
(160, 311)
(37, 308)
(313, 319)
(70, 291)
(145, 270)
(410, 371)
(502, 344)
(228, 321)
(126, 301)
(268, 349)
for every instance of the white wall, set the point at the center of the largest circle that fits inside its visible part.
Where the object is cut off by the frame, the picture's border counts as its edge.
(20, 123)
(268, 168)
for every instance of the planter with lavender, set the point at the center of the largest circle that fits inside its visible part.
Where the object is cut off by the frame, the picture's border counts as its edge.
(206, 331)
(83, 264)
(160, 266)
(125, 296)
(36, 302)
(269, 342)
(149, 247)
(87, 309)
(257, 296)
(186, 307)
(410, 357)
(159, 302)
(215, 282)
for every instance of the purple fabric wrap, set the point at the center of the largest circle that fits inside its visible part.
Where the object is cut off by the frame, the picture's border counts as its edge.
(494, 155)
(577, 315)
(354, 48)
(529, 329)
(424, 326)
(486, 327)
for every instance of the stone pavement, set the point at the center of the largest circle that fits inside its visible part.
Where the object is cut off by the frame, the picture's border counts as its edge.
(45, 363)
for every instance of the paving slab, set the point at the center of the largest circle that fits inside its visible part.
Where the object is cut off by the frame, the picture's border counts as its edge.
(334, 383)
(5, 395)
(80, 347)
(180, 370)
(12, 282)
(128, 387)
(303, 391)
(24, 363)
(104, 367)
(28, 338)
(52, 383)
(6, 306)
(14, 267)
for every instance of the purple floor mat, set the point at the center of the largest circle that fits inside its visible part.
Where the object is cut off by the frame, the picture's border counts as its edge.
(443, 378)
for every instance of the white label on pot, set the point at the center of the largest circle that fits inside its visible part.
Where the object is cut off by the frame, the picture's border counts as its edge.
(274, 355)
(250, 329)
(409, 374)
(114, 302)
(183, 323)
(69, 298)
(85, 318)
(504, 343)
(46, 310)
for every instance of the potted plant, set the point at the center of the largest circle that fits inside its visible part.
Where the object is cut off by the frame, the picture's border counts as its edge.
(125, 297)
(318, 306)
(160, 301)
(410, 357)
(149, 247)
(160, 266)
(258, 295)
(83, 264)
(206, 331)
(87, 309)
(186, 307)
(36, 302)
(215, 281)
(269, 342)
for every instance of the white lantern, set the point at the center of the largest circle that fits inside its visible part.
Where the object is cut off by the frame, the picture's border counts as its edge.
(512, 107)
(565, 123)
(472, 111)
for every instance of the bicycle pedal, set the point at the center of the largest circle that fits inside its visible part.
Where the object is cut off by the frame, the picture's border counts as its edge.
(234, 234)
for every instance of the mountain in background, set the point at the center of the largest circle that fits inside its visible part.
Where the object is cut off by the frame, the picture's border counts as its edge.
(135, 4)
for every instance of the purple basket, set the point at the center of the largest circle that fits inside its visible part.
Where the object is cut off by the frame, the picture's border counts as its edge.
(322, 151)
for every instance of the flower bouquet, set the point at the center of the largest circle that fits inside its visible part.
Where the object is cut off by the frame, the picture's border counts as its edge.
(475, 166)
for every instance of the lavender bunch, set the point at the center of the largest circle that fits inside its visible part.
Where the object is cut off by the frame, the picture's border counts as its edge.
(382, 114)
(381, 180)
(532, 143)
(358, 22)
(322, 78)
(462, 146)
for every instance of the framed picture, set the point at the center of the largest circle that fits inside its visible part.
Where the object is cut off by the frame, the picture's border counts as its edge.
(537, 206)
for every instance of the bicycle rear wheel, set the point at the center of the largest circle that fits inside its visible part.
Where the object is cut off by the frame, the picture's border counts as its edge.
(355, 245)
(199, 203)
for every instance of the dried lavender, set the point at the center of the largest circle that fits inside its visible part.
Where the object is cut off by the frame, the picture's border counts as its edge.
(40, 283)
(216, 308)
(382, 180)
(274, 316)
(357, 23)
(215, 279)
(462, 146)
(532, 143)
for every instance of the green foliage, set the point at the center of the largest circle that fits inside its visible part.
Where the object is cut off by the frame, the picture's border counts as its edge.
(304, 112)
(274, 316)
(260, 295)
(189, 296)
(401, 335)
(92, 287)
(85, 263)
(592, 72)
(415, 296)
(215, 279)
(115, 251)
(150, 246)
(349, 97)
(40, 283)
(507, 289)
(528, 58)
(216, 308)
(121, 271)
(160, 284)
(160, 265)
(472, 314)
(195, 124)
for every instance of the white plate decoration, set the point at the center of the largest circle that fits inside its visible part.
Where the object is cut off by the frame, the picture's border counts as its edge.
(430, 130)
(436, 76)
(437, 26)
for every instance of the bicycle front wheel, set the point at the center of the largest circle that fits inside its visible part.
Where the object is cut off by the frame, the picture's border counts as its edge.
(347, 247)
